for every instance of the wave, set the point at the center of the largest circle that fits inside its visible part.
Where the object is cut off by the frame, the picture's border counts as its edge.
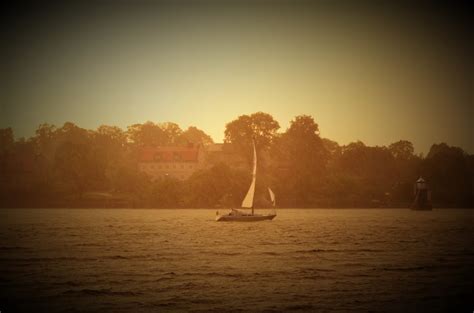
(316, 250)
(270, 253)
(172, 275)
(226, 253)
(300, 307)
(338, 250)
(213, 274)
(316, 277)
(404, 269)
(68, 283)
(358, 275)
(88, 245)
(459, 253)
(116, 257)
(41, 259)
(100, 292)
(71, 258)
(14, 248)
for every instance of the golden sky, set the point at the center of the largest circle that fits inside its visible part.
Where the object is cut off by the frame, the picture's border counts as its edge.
(376, 74)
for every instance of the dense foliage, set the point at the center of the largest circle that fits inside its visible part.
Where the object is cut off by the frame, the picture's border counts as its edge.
(74, 167)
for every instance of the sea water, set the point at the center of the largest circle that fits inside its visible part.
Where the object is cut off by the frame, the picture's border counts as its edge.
(325, 260)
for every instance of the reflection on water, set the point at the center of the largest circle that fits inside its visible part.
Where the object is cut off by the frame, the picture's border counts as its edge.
(182, 260)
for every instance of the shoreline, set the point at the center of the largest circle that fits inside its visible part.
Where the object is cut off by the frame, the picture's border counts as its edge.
(217, 209)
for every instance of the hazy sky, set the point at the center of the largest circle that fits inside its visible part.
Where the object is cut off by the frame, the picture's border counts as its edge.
(364, 72)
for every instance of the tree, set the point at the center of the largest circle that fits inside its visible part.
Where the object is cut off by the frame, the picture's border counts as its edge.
(172, 131)
(259, 126)
(407, 170)
(301, 145)
(6, 147)
(371, 169)
(332, 147)
(127, 180)
(70, 132)
(376, 163)
(72, 164)
(167, 193)
(111, 135)
(6, 138)
(46, 140)
(218, 185)
(402, 150)
(148, 134)
(304, 154)
(446, 169)
(108, 147)
(196, 136)
(73, 160)
(109, 142)
(302, 168)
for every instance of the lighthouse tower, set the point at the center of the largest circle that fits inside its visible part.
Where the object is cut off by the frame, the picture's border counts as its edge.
(422, 196)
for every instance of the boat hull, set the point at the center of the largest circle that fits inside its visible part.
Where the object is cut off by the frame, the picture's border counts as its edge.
(244, 218)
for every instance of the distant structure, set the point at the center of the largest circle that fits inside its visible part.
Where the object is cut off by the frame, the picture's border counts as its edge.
(178, 162)
(422, 196)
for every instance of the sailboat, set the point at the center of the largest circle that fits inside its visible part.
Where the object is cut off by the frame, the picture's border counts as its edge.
(236, 215)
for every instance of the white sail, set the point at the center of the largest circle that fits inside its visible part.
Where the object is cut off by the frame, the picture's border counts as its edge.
(272, 196)
(248, 200)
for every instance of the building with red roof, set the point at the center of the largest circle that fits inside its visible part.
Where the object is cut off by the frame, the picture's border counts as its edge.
(178, 162)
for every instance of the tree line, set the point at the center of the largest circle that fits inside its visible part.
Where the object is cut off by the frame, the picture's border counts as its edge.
(70, 166)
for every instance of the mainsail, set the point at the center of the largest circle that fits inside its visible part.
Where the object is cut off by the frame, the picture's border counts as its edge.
(248, 200)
